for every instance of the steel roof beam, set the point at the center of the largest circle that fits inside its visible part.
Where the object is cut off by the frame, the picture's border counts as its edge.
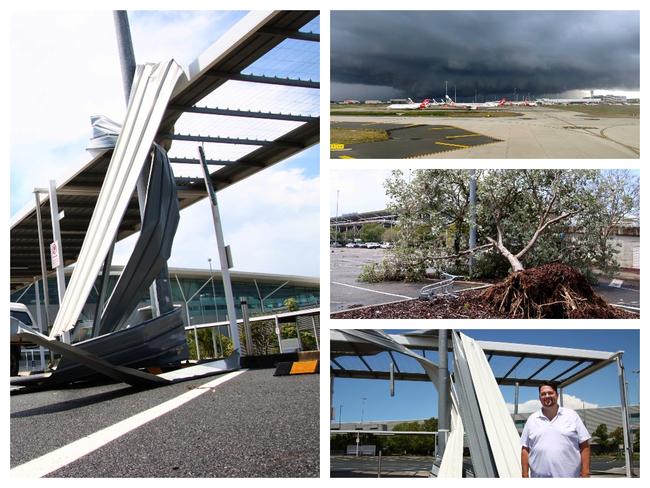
(246, 113)
(210, 162)
(578, 363)
(229, 140)
(291, 34)
(521, 359)
(544, 366)
(379, 375)
(270, 80)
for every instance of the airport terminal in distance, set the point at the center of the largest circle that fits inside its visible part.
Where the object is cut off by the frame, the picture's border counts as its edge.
(596, 127)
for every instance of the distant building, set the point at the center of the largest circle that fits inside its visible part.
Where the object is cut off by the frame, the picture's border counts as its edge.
(373, 102)
(350, 102)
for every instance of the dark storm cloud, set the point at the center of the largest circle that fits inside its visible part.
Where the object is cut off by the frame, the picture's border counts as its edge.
(489, 52)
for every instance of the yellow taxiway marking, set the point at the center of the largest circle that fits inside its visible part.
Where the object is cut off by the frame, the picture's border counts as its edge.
(337, 147)
(461, 146)
(346, 157)
(443, 128)
(464, 135)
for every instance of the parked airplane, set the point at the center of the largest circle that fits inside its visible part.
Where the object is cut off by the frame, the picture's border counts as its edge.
(474, 106)
(523, 103)
(568, 101)
(411, 105)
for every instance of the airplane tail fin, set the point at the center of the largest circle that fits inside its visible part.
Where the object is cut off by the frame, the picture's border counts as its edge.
(502, 102)
(425, 103)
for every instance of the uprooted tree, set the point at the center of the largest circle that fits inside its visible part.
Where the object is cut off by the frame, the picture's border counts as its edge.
(524, 219)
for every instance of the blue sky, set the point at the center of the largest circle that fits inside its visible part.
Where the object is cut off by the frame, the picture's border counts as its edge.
(415, 400)
(74, 55)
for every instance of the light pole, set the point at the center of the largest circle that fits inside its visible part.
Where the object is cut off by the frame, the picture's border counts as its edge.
(363, 404)
(340, 413)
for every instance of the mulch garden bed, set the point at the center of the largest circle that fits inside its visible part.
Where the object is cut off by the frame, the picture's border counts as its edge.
(550, 291)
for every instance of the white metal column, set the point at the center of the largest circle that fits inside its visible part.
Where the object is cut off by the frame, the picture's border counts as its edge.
(223, 256)
(56, 235)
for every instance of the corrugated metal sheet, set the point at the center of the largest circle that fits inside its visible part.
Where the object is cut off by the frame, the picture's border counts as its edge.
(452, 462)
(501, 431)
(153, 85)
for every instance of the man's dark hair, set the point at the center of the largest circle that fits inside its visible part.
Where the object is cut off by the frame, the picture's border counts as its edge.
(552, 384)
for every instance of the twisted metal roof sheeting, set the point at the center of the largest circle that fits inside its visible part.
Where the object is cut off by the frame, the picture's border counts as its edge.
(223, 67)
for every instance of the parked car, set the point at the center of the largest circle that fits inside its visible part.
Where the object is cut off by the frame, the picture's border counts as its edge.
(373, 245)
(351, 245)
(386, 245)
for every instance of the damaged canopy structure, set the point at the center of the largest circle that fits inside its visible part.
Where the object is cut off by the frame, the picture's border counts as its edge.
(161, 96)
(478, 409)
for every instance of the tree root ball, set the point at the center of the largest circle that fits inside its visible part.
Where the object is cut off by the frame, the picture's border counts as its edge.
(551, 291)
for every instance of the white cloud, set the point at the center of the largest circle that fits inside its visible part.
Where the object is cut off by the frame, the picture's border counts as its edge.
(359, 191)
(570, 401)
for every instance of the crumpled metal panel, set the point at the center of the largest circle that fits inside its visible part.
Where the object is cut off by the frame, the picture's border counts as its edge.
(152, 249)
(452, 461)
(153, 85)
(499, 426)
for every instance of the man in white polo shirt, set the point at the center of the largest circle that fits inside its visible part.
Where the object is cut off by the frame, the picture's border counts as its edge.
(554, 442)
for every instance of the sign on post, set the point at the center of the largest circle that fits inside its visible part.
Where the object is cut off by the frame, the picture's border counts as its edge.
(54, 255)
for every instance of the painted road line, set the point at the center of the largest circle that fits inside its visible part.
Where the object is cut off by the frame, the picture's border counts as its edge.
(42, 466)
(461, 146)
(464, 135)
(346, 157)
(373, 291)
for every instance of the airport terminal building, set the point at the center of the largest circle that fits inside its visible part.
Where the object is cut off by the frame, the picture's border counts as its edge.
(200, 292)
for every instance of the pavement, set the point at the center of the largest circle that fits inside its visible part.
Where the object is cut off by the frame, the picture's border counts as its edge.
(346, 292)
(419, 466)
(409, 141)
(254, 425)
(542, 132)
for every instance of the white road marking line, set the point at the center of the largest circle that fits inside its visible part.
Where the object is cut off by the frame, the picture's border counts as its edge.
(41, 466)
(368, 289)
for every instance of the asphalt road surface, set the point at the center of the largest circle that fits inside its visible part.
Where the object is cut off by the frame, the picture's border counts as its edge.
(254, 425)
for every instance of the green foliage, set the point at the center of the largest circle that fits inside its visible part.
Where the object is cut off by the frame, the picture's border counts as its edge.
(539, 216)
(372, 232)
(412, 444)
(390, 235)
(291, 304)
(207, 346)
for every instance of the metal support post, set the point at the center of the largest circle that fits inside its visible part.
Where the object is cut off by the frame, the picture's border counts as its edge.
(41, 246)
(313, 324)
(223, 256)
(516, 411)
(472, 218)
(56, 235)
(246, 325)
(626, 418)
(444, 404)
(103, 290)
(39, 322)
(278, 332)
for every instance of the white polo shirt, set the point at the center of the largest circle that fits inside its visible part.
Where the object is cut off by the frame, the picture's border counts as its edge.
(554, 444)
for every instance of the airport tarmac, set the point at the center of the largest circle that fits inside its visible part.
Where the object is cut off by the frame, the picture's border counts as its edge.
(541, 132)
(347, 293)
(253, 425)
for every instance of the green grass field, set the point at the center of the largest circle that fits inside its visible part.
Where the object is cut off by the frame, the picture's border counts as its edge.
(355, 136)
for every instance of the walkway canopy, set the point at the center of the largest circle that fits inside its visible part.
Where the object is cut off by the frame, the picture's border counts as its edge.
(252, 100)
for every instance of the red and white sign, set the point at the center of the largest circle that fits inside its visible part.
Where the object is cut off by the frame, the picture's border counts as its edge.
(54, 254)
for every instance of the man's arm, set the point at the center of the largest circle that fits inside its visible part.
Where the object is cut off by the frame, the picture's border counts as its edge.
(524, 462)
(585, 459)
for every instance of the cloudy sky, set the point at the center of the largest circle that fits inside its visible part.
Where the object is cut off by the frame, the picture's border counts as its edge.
(65, 68)
(387, 54)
